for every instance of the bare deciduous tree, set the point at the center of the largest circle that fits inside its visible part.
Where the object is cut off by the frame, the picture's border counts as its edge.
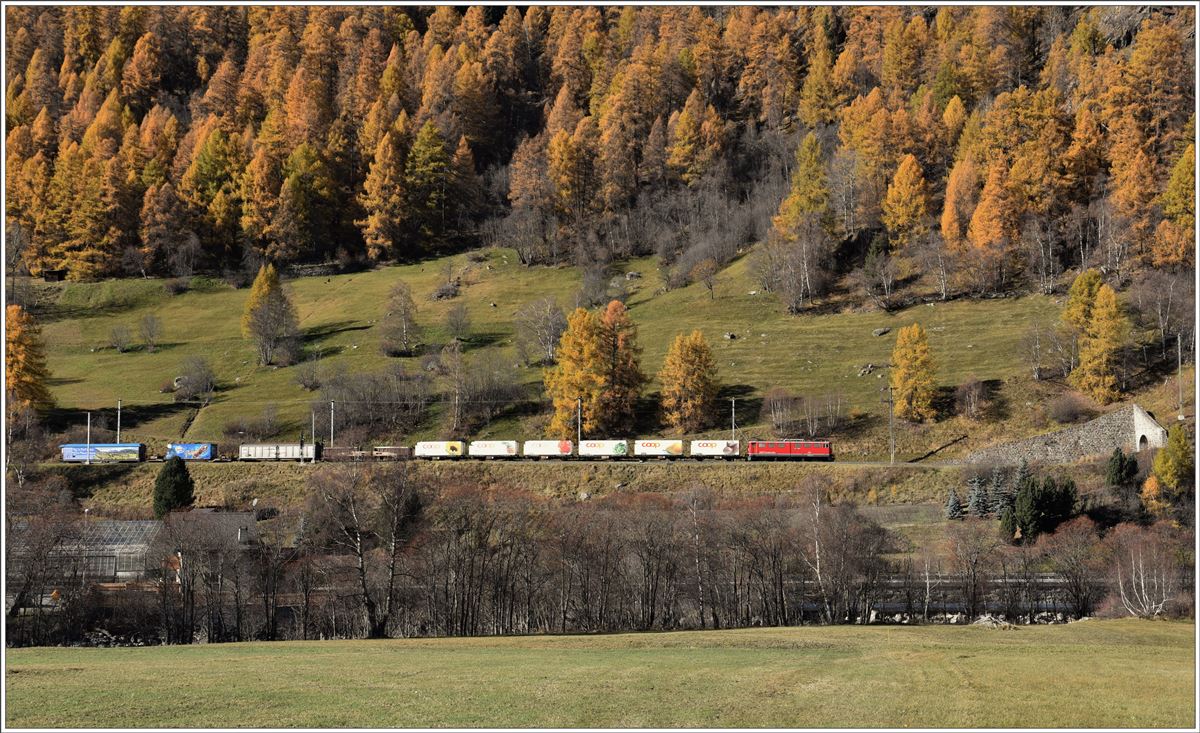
(150, 328)
(196, 380)
(1145, 568)
(969, 549)
(275, 331)
(969, 397)
(401, 334)
(368, 513)
(119, 338)
(539, 327)
(458, 322)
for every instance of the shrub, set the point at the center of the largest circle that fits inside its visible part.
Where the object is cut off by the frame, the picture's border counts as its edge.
(307, 377)
(446, 291)
(176, 286)
(1068, 408)
(119, 338)
(197, 381)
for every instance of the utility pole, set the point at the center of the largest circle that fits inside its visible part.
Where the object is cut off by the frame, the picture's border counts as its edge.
(118, 421)
(733, 418)
(313, 413)
(87, 457)
(578, 422)
(891, 403)
(1179, 369)
(331, 423)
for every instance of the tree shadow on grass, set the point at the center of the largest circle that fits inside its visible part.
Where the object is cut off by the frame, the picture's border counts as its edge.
(83, 479)
(61, 419)
(325, 330)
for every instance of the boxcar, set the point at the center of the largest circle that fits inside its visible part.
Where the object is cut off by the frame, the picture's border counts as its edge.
(391, 453)
(344, 454)
(436, 449)
(789, 450)
(716, 448)
(103, 452)
(278, 452)
(493, 449)
(192, 451)
(604, 449)
(652, 448)
(547, 448)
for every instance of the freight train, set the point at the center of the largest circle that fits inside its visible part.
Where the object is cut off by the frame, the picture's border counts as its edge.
(437, 450)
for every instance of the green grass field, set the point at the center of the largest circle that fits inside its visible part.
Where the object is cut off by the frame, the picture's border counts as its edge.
(811, 354)
(1124, 673)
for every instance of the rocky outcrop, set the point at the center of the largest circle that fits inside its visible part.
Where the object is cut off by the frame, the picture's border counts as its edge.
(1130, 428)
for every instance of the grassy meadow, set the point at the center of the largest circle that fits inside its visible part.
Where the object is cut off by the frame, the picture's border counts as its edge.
(1125, 673)
(811, 354)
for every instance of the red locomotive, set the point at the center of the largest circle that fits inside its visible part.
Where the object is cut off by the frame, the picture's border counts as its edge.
(789, 450)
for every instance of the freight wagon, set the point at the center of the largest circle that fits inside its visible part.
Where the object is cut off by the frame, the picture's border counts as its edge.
(649, 448)
(716, 449)
(604, 449)
(437, 449)
(789, 450)
(344, 454)
(548, 449)
(103, 452)
(493, 449)
(391, 453)
(279, 452)
(192, 451)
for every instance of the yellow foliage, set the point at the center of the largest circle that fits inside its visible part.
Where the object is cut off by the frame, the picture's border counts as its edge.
(25, 372)
(1107, 331)
(598, 364)
(265, 283)
(912, 376)
(1152, 497)
(905, 209)
(689, 379)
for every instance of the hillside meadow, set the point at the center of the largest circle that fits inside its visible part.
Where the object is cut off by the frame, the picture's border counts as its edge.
(814, 354)
(1117, 674)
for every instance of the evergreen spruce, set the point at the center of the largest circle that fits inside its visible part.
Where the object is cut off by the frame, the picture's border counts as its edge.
(1008, 524)
(953, 506)
(998, 496)
(173, 489)
(977, 497)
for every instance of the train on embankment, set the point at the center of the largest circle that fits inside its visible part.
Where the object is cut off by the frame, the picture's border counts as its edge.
(461, 450)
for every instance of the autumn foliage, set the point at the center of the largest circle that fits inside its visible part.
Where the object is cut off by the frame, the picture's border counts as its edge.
(25, 371)
(913, 378)
(689, 383)
(163, 141)
(597, 363)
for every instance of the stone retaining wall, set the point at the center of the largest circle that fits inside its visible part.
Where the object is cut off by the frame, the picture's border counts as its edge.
(1130, 428)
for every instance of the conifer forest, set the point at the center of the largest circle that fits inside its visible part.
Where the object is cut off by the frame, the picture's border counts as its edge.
(995, 146)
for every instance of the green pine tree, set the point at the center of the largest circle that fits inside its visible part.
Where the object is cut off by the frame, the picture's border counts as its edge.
(428, 179)
(173, 489)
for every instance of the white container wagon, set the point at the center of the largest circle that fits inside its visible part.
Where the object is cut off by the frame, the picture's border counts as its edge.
(277, 452)
(436, 449)
(493, 449)
(604, 449)
(716, 448)
(652, 448)
(548, 448)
